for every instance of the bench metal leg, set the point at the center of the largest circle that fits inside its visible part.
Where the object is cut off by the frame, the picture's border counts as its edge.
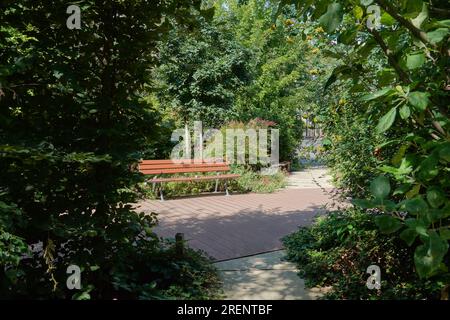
(217, 185)
(161, 192)
(154, 184)
(226, 188)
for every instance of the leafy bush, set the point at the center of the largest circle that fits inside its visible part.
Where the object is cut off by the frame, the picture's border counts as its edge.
(423, 221)
(156, 271)
(351, 151)
(338, 248)
(251, 181)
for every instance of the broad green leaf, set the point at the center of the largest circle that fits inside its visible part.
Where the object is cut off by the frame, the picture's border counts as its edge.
(402, 189)
(404, 169)
(83, 295)
(414, 206)
(435, 197)
(376, 95)
(419, 100)
(423, 15)
(337, 72)
(413, 192)
(386, 77)
(445, 153)
(437, 35)
(434, 215)
(429, 168)
(332, 18)
(446, 210)
(327, 142)
(405, 112)
(414, 7)
(347, 36)
(362, 203)
(389, 169)
(444, 233)
(388, 206)
(94, 268)
(398, 157)
(414, 61)
(388, 224)
(380, 187)
(408, 235)
(419, 226)
(387, 121)
(358, 12)
(387, 19)
(428, 257)
(443, 23)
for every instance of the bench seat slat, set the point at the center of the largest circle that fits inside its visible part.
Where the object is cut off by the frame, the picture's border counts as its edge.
(173, 166)
(181, 170)
(200, 178)
(185, 161)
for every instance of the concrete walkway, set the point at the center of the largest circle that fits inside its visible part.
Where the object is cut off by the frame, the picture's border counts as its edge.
(310, 178)
(249, 226)
(243, 224)
(264, 277)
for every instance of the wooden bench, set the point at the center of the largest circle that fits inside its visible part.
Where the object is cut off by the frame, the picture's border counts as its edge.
(156, 168)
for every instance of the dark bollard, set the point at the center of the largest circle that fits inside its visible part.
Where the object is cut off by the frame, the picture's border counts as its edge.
(179, 244)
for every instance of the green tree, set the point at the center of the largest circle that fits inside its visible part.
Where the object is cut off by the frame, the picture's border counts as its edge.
(72, 122)
(286, 64)
(201, 74)
(398, 72)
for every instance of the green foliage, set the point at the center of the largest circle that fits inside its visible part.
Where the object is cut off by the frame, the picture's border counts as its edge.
(202, 73)
(285, 65)
(251, 181)
(242, 66)
(72, 122)
(350, 147)
(12, 247)
(398, 74)
(426, 220)
(338, 248)
(332, 18)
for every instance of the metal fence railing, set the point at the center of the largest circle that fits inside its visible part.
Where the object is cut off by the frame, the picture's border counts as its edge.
(311, 129)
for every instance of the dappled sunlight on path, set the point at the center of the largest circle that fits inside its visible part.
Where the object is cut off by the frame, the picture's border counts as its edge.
(264, 277)
(241, 224)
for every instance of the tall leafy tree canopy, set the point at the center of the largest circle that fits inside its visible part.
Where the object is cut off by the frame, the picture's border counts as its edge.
(203, 74)
(72, 121)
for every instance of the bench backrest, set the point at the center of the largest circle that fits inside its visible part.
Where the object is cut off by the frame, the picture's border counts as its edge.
(155, 167)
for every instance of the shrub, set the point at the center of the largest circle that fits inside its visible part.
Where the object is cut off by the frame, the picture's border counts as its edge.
(144, 268)
(251, 181)
(338, 248)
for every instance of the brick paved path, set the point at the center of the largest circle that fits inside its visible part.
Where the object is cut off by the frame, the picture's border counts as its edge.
(241, 224)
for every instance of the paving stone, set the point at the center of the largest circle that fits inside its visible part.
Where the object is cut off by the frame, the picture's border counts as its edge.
(264, 277)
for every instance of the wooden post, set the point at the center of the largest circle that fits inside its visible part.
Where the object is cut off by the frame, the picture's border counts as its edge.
(179, 244)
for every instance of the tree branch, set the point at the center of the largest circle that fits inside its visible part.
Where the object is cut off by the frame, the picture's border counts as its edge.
(419, 34)
(444, 13)
(404, 77)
